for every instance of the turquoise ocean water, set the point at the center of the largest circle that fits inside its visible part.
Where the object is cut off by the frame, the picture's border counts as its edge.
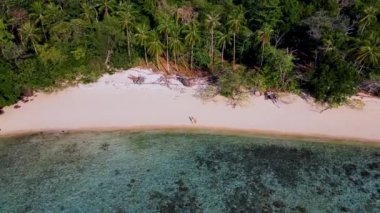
(158, 171)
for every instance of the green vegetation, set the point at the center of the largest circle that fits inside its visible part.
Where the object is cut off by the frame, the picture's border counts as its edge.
(325, 47)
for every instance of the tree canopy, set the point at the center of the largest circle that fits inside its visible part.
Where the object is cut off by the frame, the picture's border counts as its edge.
(325, 47)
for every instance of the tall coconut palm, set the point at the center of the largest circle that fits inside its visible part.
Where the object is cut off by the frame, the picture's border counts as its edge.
(222, 40)
(176, 44)
(156, 48)
(127, 17)
(150, 6)
(89, 13)
(38, 16)
(53, 13)
(235, 22)
(165, 27)
(264, 36)
(29, 34)
(192, 38)
(212, 22)
(106, 6)
(142, 38)
(369, 17)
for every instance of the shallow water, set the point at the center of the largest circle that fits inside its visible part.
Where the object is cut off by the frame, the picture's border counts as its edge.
(152, 171)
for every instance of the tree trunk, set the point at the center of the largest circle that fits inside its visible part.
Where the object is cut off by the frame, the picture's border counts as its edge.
(278, 39)
(43, 31)
(212, 49)
(157, 61)
(105, 11)
(224, 46)
(108, 57)
(34, 46)
(262, 55)
(191, 57)
(128, 45)
(233, 65)
(22, 40)
(361, 68)
(175, 60)
(167, 53)
(282, 76)
(146, 57)
(96, 15)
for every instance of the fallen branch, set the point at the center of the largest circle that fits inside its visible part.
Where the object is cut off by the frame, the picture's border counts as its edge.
(137, 80)
(185, 81)
(327, 108)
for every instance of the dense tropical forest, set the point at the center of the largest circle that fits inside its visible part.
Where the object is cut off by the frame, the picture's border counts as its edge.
(328, 48)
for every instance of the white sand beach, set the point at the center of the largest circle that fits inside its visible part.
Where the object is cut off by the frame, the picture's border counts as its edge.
(114, 102)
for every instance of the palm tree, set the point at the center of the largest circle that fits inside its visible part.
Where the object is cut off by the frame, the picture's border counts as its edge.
(222, 40)
(235, 22)
(88, 12)
(247, 36)
(176, 44)
(165, 27)
(156, 48)
(37, 14)
(64, 31)
(368, 53)
(369, 18)
(142, 37)
(5, 36)
(28, 33)
(212, 21)
(53, 14)
(264, 36)
(150, 6)
(192, 37)
(105, 6)
(127, 16)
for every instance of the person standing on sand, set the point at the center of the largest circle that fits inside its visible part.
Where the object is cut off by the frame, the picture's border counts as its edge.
(192, 120)
(271, 96)
(274, 98)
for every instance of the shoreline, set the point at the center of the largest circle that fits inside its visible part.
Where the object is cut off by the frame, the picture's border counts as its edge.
(316, 138)
(114, 103)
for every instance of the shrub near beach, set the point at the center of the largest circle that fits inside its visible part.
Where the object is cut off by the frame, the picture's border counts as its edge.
(284, 45)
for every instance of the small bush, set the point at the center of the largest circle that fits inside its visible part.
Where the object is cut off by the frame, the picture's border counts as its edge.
(334, 80)
(278, 70)
(10, 90)
(355, 104)
(254, 80)
(208, 92)
(230, 83)
(201, 59)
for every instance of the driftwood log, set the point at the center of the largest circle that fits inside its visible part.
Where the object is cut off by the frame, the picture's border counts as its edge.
(137, 79)
(164, 81)
(185, 81)
(370, 87)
